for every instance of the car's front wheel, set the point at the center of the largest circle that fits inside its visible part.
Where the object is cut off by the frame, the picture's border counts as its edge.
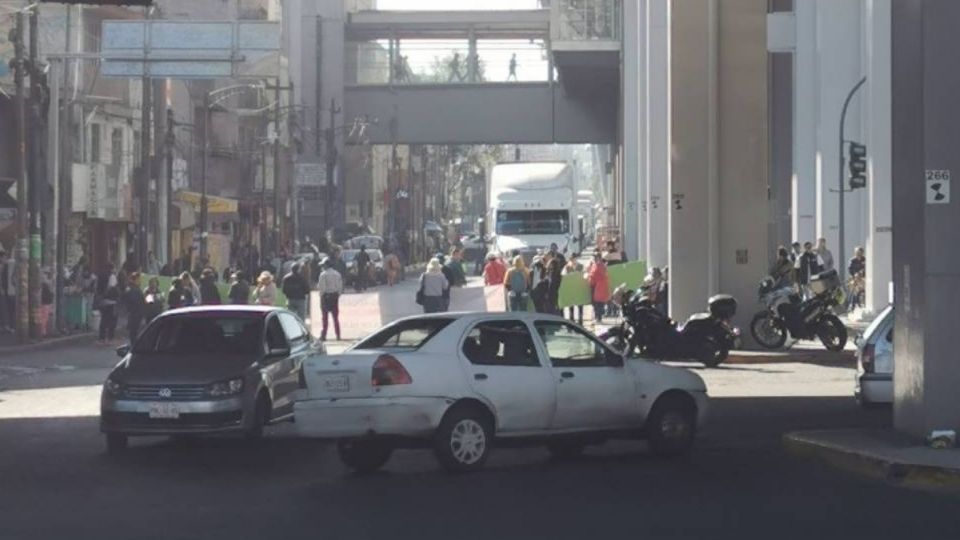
(364, 455)
(671, 426)
(261, 417)
(462, 442)
(116, 443)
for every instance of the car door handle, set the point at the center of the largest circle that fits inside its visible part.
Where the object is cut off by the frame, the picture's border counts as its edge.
(567, 374)
(480, 376)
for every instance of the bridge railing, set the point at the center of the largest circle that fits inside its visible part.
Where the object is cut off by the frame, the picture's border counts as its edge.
(447, 61)
(584, 20)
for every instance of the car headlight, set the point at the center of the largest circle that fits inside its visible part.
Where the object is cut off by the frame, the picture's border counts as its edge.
(226, 388)
(112, 387)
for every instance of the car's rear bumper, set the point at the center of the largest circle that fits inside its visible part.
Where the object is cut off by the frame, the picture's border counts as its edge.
(132, 417)
(359, 417)
(874, 388)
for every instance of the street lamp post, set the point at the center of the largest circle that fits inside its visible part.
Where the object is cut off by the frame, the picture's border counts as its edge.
(840, 187)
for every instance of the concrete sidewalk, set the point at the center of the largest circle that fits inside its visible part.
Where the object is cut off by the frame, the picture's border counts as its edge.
(881, 454)
(10, 346)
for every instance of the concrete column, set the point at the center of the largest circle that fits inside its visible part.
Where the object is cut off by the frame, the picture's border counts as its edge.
(658, 132)
(839, 70)
(925, 85)
(633, 147)
(878, 131)
(330, 76)
(693, 178)
(805, 103)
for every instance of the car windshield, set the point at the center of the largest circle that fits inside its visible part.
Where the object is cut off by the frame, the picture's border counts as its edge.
(878, 322)
(533, 222)
(203, 333)
(348, 255)
(411, 334)
(375, 255)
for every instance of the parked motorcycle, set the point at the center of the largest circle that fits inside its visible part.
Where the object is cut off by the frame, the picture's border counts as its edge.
(705, 337)
(787, 314)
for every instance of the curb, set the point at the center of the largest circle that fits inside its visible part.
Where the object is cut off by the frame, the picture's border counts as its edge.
(47, 344)
(816, 357)
(890, 471)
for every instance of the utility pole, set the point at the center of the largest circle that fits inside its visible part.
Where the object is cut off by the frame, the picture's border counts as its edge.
(331, 165)
(145, 172)
(205, 125)
(841, 190)
(63, 179)
(19, 65)
(276, 161)
(170, 141)
(34, 191)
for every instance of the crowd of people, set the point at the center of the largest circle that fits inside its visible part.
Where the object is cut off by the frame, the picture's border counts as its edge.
(795, 267)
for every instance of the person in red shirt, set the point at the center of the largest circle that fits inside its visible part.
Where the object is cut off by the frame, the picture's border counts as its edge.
(599, 282)
(494, 271)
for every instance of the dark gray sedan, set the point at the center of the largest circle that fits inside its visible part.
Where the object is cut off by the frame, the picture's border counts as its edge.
(206, 369)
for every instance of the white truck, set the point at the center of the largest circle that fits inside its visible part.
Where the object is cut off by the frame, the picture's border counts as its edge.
(532, 205)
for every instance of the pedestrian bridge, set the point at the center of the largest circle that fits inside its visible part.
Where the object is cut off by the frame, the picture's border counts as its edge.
(473, 77)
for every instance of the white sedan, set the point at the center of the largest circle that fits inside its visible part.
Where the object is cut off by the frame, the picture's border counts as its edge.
(458, 382)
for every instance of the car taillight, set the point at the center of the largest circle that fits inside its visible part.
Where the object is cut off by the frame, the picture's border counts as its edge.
(387, 370)
(866, 359)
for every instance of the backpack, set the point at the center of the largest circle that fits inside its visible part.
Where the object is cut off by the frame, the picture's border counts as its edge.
(517, 282)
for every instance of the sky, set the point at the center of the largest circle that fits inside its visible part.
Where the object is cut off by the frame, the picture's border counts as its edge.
(450, 5)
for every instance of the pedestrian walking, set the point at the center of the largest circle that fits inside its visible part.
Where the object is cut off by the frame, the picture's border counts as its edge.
(178, 296)
(265, 294)
(809, 267)
(599, 282)
(209, 293)
(8, 292)
(554, 278)
(362, 261)
(153, 300)
(434, 288)
(134, 304)
(494, 271)
(513, 68)
(517, 284)
(297, 290)
(191, 285)
(239, 289)
(454, 66)
(330, 287)
(826, 256)
(153, 265)
(574, 266)
(107, 305)
(392, 267)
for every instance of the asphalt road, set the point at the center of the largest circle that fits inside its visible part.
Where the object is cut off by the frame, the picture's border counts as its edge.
(57, 483)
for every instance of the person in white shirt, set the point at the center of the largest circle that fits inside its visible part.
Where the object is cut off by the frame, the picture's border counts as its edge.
(826, 257)
(330, 287)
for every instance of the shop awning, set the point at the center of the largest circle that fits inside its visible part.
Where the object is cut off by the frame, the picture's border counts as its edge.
(215, 205)
(184, 216)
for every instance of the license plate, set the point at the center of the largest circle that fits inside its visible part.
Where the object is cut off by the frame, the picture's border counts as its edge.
(164, 410)
(336, 383)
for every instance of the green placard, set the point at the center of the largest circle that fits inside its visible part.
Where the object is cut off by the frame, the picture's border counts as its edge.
(574, 290)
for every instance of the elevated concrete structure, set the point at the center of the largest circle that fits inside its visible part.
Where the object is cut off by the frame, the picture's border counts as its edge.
(514, 113)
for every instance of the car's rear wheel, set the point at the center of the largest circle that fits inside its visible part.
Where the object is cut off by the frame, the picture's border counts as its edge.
(566, 449)
(364, 456)
(462, 442)
(261, 417)
(671, 426)
(116, 443)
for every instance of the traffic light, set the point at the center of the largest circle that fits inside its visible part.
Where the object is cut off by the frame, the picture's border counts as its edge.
(858, 166)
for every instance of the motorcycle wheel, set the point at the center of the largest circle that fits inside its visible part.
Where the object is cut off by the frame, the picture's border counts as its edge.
(768, 331)
(832, 333)
(617, 342)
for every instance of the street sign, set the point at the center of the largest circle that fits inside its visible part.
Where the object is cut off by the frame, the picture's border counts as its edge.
(938, 191)
(190, 49)
(310, 174)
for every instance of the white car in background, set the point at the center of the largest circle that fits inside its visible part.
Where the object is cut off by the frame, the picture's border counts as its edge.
(459, 383)
(874, 382)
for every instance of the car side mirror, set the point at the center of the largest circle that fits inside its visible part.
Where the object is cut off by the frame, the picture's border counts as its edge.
(123, 351)
(614, 360)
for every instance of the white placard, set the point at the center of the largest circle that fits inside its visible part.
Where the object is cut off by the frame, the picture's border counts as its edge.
(938, 191)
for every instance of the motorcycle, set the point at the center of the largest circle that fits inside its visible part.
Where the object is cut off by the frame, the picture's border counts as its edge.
(787, 314)
(705, 337)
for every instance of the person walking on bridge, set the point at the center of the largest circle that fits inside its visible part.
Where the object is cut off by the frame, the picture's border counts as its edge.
(513, 68)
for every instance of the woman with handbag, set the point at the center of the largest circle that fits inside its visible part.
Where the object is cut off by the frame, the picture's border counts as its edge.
(433, 288)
